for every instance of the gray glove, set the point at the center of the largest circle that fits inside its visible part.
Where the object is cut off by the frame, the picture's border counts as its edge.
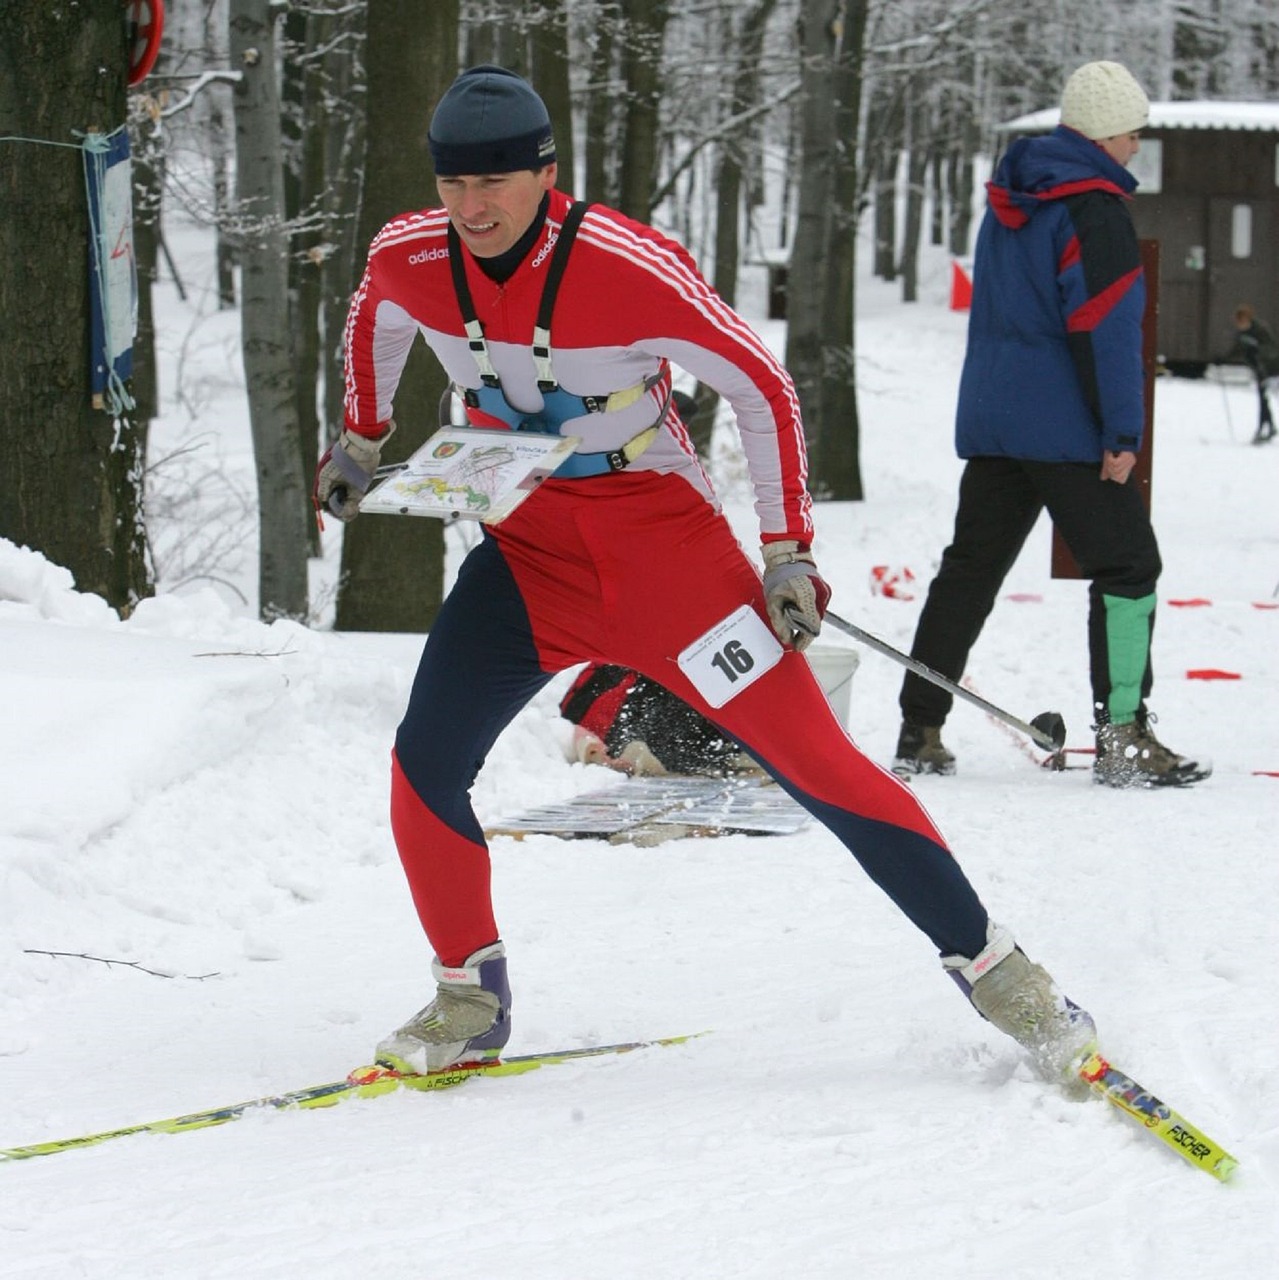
(345, 472)
(795, 593)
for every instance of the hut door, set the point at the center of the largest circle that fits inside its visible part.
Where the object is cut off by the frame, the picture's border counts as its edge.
(1241, 265)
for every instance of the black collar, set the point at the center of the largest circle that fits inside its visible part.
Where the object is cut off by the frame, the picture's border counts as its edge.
(502, 267)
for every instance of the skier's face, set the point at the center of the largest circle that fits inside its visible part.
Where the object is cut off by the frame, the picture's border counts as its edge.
(1121, 148)
(491, 211)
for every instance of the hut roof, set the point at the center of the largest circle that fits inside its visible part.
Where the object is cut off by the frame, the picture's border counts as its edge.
(1256, 116)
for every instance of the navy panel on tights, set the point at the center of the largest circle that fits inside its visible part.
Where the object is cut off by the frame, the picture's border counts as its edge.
(479, 667)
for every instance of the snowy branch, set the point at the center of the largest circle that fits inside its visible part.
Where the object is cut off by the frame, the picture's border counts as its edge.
(724, 129)
(201, 81)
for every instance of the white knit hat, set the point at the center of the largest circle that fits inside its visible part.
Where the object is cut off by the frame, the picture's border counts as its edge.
(1102, 100)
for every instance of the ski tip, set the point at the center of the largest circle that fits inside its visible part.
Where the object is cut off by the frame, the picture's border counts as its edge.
(1154, 1115)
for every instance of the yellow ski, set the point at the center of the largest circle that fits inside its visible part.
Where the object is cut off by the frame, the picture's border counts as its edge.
(363, 1082)
(1157, 1117)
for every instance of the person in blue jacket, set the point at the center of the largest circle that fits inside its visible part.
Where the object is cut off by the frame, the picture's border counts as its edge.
(1051, 414)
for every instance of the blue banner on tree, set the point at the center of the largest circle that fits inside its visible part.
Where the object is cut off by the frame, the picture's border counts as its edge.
(113, 283)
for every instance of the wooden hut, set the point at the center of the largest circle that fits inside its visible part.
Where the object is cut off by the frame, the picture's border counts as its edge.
(1209, 193)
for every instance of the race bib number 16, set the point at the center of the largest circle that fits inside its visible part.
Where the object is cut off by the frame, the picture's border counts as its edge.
(731, 656)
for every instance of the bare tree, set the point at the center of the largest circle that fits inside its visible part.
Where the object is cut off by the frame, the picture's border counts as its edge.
(73, 473)
(494, 31)
(549, 64)
(147, 142)
(265, 334)
(745, 37)
(819, 337)
(221, 160)
(337, 113)
(884, 142)
(642, 77)
(917, 158)
(601, 40)
(531, 39)
(392, 576)
(304, 182)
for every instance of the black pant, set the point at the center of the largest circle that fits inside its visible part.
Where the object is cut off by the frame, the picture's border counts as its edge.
(1104, 524)
(1266, 422)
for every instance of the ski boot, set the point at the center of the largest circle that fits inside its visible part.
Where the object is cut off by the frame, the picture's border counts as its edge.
(468, 1021)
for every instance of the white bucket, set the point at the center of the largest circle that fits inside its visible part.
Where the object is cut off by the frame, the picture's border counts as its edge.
(833, 666)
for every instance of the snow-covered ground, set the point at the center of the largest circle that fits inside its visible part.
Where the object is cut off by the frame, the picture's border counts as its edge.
(201, 800)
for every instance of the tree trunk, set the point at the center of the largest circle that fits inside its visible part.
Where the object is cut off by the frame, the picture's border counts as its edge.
(642, 71)
(72, 473)
(264, 314)
(342, 138)
(916, 176)
(601, 116)
(805, 338)
(885, 212)
(729, 180)
(837, 468)
(148, 188)
(392, 575)
(961, 183)
(730, 171)
(302, 122)
(884, 136)
(937, 215)
(220, 159)
(549, 74)
(495, 31)
(224, 250)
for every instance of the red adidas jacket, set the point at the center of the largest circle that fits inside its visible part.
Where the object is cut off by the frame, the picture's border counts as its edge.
(630, 299)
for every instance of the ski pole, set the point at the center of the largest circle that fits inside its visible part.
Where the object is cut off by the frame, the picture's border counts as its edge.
(1225, 400)
(1048, 729)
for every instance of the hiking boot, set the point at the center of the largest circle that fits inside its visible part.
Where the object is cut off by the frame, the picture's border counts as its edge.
(468, 1021)
(1129, 755)
(1019, 998)
(921, 750)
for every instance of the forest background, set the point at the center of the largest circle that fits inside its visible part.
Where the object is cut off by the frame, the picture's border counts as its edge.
(763, 134)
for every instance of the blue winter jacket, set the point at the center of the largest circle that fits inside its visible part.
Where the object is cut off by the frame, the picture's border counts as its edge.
(1053, 368)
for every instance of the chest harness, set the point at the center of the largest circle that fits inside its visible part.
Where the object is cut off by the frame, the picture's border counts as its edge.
(558, 405)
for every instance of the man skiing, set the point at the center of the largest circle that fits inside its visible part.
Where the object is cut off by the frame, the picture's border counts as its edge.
(555, 317)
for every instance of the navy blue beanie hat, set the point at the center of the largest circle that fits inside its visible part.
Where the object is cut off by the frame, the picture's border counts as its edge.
(490, 121)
